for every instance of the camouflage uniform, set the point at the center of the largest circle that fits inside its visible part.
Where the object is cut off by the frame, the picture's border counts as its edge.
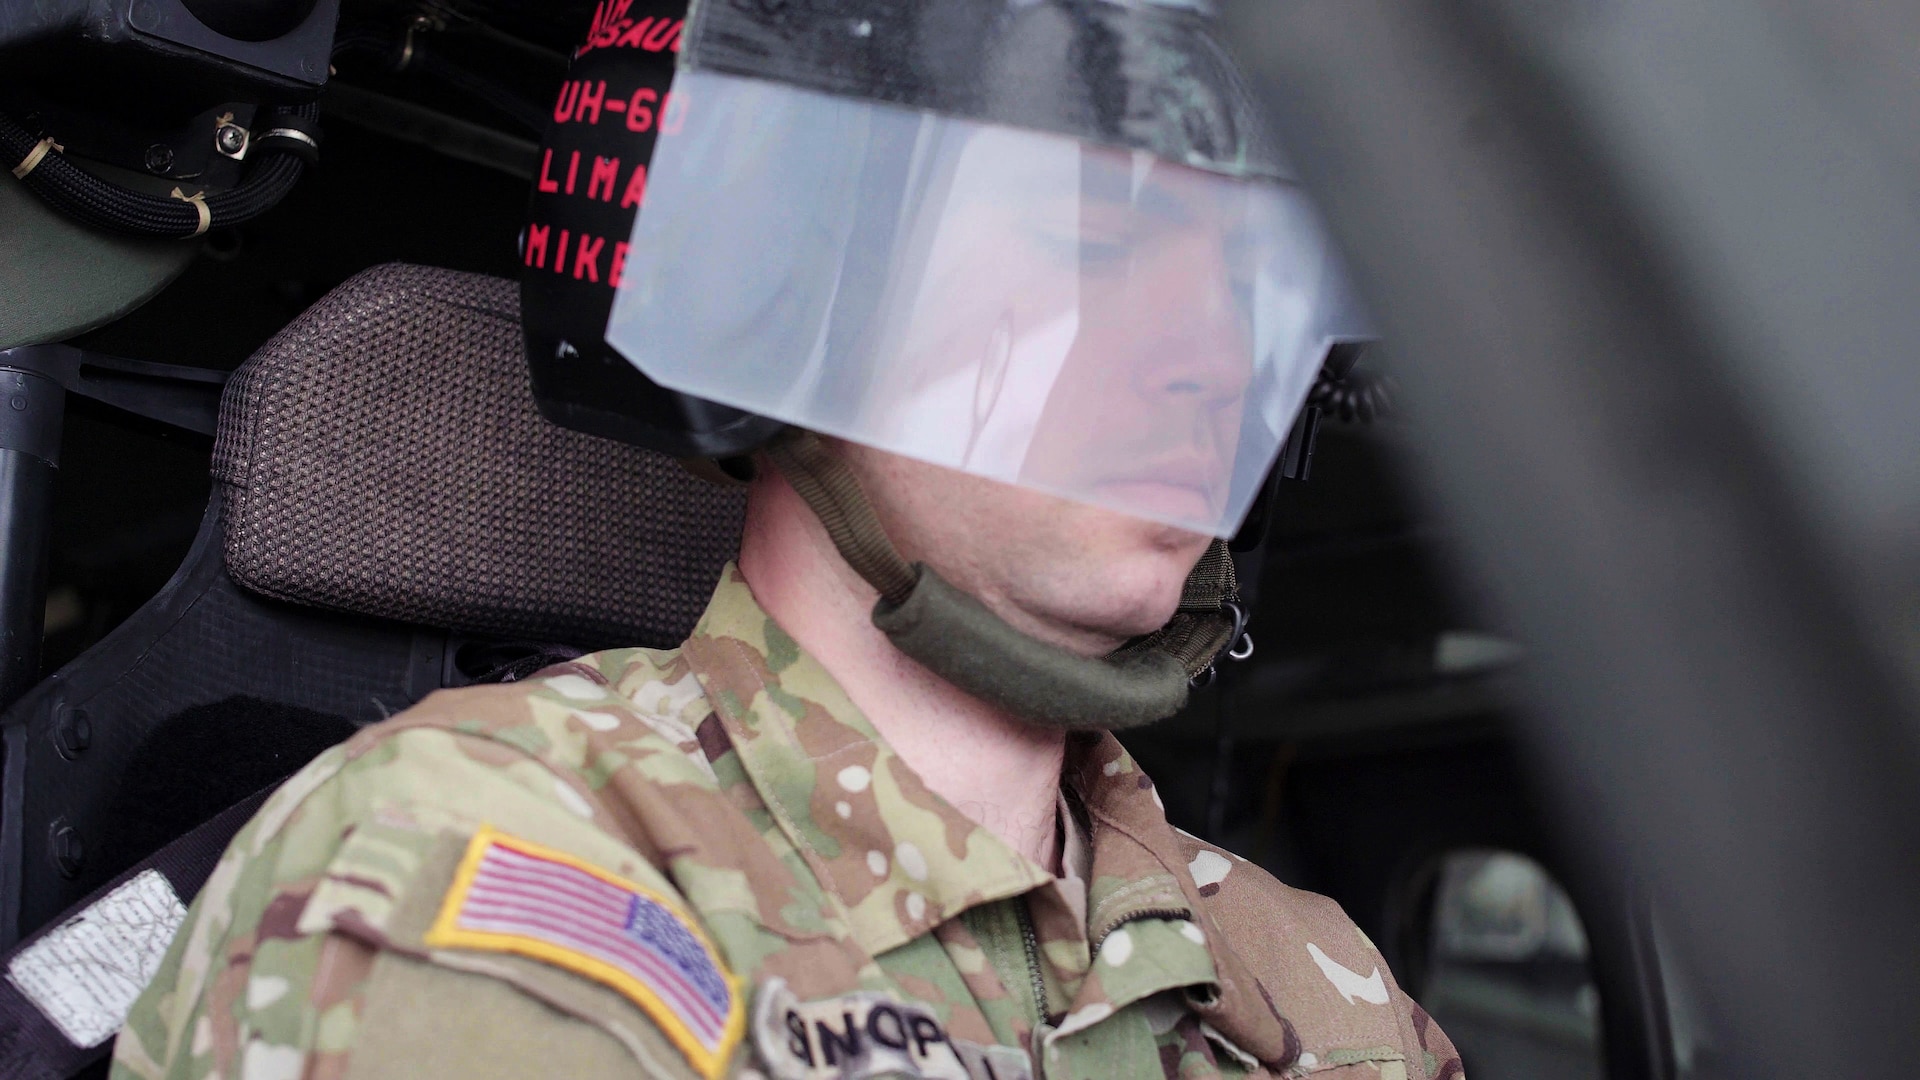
(732, 780)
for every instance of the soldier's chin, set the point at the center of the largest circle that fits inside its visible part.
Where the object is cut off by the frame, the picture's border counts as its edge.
(1176, 506)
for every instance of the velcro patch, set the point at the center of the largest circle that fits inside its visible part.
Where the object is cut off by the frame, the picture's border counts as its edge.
(514, 896)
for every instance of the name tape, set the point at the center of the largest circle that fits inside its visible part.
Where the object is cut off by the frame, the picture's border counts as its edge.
(866, 1034)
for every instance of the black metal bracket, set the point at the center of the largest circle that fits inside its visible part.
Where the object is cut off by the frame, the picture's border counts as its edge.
(34, 383)
(172, 394)
(216, 49)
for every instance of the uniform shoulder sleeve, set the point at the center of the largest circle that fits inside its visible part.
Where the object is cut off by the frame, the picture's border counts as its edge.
(1322, 972)
(306, 953)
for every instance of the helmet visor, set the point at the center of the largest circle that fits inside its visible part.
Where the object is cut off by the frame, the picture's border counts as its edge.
(1090, 322)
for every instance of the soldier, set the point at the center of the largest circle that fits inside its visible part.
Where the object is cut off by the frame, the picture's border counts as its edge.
(869, 819)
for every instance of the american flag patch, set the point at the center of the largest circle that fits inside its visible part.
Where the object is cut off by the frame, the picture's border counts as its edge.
(518, 897)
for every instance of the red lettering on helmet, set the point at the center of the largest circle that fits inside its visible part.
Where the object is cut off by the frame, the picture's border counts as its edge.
(672, 119)
(547, 183)
(573, 170)
(619, 263)
(640, 109)
(563, 105)
(636, 192)
(609, 19)
(560, 258)
(537, 246)
(606, 173)
(613, 29)
(664, 35)
(590, 97)
(587, 257)
(634, 34)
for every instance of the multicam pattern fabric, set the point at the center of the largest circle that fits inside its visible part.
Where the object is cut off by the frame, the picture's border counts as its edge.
(515, 897)
(735, 777)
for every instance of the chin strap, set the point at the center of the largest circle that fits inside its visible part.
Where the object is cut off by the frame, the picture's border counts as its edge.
(957, 638)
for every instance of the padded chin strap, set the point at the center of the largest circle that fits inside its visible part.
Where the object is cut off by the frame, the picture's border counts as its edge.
(957, 638)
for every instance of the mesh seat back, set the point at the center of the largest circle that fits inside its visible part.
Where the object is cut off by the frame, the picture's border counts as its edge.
(383, 455)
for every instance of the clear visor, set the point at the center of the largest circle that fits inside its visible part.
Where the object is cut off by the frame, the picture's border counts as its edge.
(1091, 323)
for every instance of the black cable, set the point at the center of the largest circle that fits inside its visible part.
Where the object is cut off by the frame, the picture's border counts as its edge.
(413, 53)
(525, 113)
(106, 205)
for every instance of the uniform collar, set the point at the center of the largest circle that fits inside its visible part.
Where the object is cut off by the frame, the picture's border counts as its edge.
(1135, 857)
(899, 859)
(1141, 871)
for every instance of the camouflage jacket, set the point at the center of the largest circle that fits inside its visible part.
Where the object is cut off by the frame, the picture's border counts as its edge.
(705, 862)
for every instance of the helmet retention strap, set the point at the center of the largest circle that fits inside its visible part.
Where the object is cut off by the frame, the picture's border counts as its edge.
(956, 637)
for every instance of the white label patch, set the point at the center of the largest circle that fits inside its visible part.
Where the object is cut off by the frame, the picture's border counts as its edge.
(85, 973)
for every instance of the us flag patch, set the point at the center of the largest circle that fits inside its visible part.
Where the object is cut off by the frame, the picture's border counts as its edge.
(514, 896)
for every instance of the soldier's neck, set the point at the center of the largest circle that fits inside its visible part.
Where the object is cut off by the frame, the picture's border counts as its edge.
(1000, 772)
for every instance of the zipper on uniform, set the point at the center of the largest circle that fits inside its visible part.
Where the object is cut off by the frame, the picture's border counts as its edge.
(1170, 913)
(1032, 942)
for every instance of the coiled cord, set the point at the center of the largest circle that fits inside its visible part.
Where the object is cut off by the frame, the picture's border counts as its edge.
(106, 205)
(1352, 397)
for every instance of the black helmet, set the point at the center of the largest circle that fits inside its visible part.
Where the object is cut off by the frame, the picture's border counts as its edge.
(1046, 242)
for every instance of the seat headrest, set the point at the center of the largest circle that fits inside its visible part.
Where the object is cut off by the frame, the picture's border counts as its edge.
(383, 455)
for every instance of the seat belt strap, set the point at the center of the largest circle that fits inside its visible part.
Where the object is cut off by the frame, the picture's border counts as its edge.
(68, 987)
